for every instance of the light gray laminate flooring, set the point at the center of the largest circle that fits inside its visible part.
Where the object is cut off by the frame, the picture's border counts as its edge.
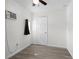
(36, 51)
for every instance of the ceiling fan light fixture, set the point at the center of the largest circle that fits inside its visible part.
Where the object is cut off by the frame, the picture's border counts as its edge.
(36, 1)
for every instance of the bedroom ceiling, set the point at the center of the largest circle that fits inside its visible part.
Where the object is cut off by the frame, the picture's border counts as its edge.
(51, 3)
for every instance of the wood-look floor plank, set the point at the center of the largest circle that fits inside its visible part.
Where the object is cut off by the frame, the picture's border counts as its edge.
(42, 52)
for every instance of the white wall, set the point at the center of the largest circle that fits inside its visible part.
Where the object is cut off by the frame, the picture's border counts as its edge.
(15, 28)
(70, 28)
(56, 24)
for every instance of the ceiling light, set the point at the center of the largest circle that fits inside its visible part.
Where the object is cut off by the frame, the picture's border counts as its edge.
(36, 1)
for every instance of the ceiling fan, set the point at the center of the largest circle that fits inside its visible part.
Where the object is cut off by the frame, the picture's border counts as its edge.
(36, 2)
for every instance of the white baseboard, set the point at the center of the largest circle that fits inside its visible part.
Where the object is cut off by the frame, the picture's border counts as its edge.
(51, 45)
(70, 52)
(56, 46)
(18, 51)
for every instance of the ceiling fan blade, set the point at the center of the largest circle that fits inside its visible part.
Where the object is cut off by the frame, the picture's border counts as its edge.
(33, 4)
(43, 2)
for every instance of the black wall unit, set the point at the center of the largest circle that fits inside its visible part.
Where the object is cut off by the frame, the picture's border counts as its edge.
(26, 31)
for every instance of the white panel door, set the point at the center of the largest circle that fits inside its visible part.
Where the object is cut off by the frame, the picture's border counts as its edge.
(40, 30)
